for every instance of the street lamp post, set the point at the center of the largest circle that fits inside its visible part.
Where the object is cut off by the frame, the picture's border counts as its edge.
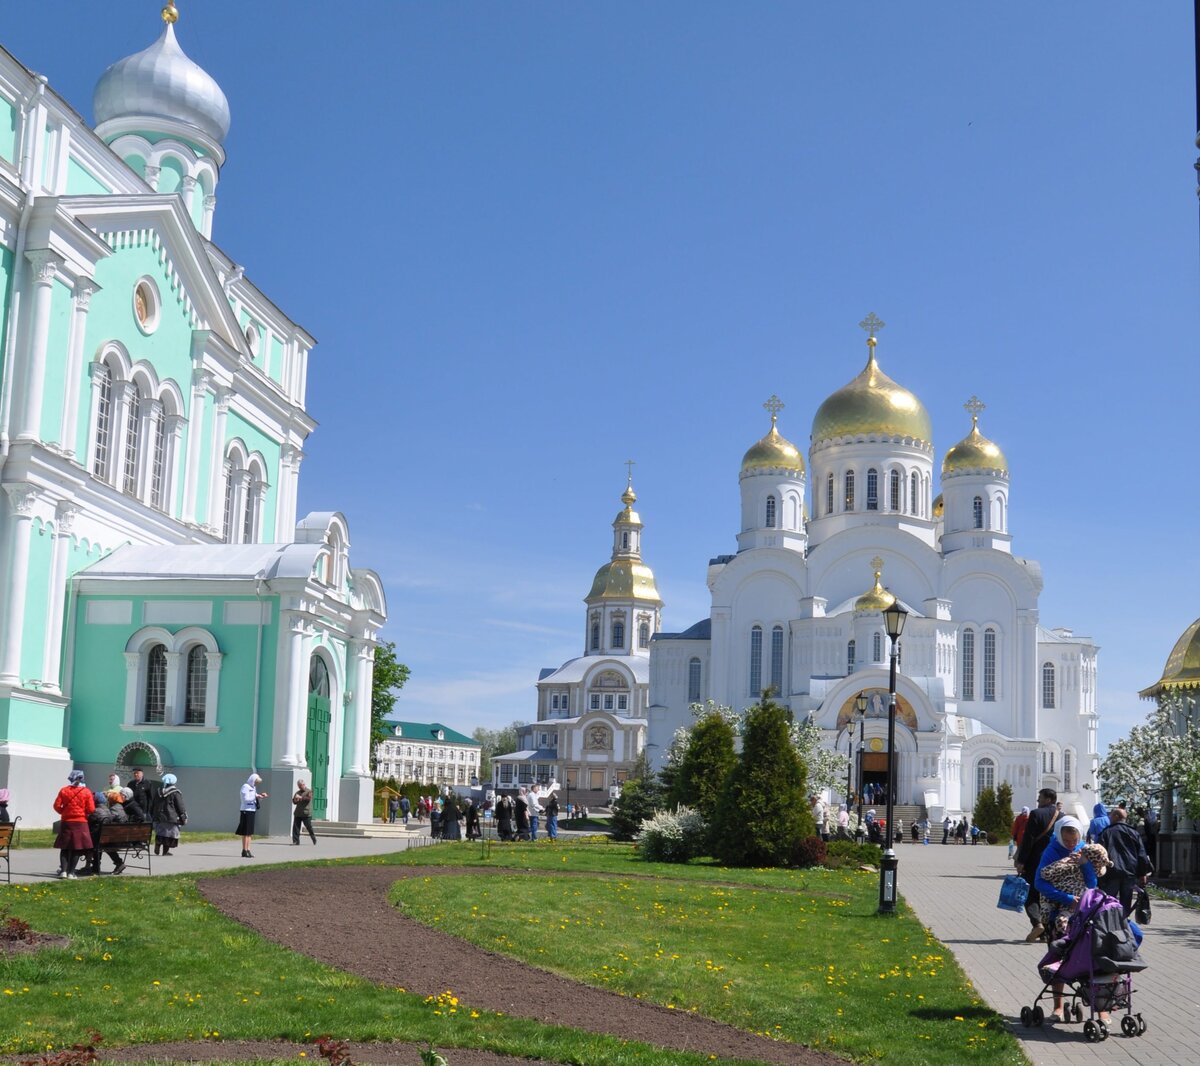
(893, 621)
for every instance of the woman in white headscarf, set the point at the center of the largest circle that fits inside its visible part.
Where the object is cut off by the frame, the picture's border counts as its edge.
(247, 810)
(169, 815)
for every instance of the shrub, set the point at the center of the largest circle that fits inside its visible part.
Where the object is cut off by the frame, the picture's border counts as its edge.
(988, 815)
(639, 801)
(673, 836)
(810, 851)
(705, 765)
(843, 853)
(763, 812)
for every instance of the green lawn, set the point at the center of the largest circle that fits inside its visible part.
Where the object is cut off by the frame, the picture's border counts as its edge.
(794, 954)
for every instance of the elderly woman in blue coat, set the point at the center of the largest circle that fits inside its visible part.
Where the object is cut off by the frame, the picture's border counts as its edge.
(1057, 901)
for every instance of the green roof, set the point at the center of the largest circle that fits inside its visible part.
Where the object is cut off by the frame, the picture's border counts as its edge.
(428, 731)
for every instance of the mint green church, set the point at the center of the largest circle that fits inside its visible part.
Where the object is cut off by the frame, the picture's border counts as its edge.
(160, 604)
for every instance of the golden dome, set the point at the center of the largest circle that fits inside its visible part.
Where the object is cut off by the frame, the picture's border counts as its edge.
(624, 579)
(1183, 664)
(974, 451)
(773, 452)
(872, 405)
(939, 507)
(877, 598)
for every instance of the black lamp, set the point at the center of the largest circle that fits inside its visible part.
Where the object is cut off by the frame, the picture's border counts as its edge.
(894, 618)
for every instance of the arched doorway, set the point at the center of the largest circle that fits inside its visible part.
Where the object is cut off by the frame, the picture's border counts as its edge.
(316, 744)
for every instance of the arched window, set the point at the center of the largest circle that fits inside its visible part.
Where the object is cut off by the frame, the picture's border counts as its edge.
(693, 680)
(618, 635)
(829, 495)
(877, 647)
(196, 693)
(133, 436)
(595, 636)
(850, 657)
(872, 490)
(158, 465)
(756, 661)
(230, 492)
(849, 504)
(1048, 693)
(254, 494)
(985, 775)
(977, 512)
(989, 664)
(644, 635)
(968, 664)
(777, 660)
(894, 491)
(104, 421)
(914, 493)
(1068, 767)
(770, 522)
(625, 542)
(154, 708)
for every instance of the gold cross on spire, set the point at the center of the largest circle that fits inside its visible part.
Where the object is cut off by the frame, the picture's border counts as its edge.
(872, 324)
(973, 406)
(629, 465)
(774, 405)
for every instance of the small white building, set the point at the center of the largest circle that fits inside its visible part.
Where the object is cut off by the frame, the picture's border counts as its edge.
(429, 753)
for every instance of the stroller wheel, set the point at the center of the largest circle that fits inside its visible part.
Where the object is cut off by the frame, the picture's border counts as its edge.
(1103, 1031)
(1141, 1022)
(1091, 1031)
(1078, 1013)
(1129, 1025)
(1027, 1017)
(1038, 1015)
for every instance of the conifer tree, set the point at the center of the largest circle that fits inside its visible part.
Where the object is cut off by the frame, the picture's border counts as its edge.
(705, 766)
(763, 811)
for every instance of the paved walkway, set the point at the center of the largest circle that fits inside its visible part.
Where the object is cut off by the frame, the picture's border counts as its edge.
(953, 890)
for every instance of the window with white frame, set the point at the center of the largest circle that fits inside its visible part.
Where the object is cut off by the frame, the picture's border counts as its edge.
(594, 702)
(133, 436)
(985, 775)
(595, 636)
(693, 680)
(756, 649)
(618, 635)
(622, 703)
(989, 664)
(196, 698)
(848, 504)
(850, 657)
(877, 647)
(894, 491)
(977, 512)
(1068, 767)
(1048, 693)
(172, 679)
(968, 664)
(154, 704)
(103, 385)
(777, 659)
(914, 493)
(770, 517)
(644, 635)
(829, 495)
(872, 490)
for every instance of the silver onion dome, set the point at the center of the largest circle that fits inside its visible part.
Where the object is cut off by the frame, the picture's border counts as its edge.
(161, 82)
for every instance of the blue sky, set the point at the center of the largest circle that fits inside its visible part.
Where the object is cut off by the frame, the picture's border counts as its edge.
(536, 239)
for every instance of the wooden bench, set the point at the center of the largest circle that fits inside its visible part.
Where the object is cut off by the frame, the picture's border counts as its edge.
(130, 840)
(6, 835)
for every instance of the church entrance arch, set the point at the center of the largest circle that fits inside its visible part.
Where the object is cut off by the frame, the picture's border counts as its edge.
(316, 743)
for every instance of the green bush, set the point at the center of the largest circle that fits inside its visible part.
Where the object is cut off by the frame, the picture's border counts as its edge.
(843, 853)
(639, 801)
(811, 851)
(705, 766)
(989, 815)
(763, 812)
(673, 836)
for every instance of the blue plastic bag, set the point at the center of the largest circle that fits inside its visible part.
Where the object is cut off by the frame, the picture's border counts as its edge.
(1013, 893)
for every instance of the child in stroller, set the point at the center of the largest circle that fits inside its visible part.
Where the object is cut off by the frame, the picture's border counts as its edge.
(1096, 959)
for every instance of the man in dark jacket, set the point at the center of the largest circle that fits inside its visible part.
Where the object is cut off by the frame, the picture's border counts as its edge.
(1128, 861)
(143, 792)
(1033, 843)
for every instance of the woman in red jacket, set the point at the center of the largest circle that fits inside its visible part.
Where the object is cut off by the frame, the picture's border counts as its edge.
(73, 804)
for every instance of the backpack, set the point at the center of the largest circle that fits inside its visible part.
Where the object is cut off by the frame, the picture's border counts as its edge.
(1114, 949)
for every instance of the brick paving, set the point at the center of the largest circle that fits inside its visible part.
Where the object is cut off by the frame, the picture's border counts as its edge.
(953, 890)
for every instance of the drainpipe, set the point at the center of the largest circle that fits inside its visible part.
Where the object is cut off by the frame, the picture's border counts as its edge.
(260, 583)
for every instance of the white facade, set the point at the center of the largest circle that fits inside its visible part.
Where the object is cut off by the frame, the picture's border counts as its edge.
(986, 694)
(428, 753)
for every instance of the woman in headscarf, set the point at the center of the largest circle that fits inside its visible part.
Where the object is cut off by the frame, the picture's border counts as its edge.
(4, 798)
(169, 814)
(73, 803)
(248, 808)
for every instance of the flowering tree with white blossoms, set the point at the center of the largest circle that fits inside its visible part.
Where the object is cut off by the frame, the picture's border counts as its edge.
(1162, 754)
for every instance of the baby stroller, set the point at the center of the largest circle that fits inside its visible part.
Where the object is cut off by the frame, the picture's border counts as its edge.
(1096, 961)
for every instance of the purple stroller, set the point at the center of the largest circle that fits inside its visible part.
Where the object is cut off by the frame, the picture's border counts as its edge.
(1096, 960)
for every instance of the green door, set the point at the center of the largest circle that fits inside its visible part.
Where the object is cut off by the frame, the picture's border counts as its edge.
(316, 746)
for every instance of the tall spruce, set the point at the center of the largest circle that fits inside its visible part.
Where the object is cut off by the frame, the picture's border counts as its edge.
(705, 766)
(763, 811)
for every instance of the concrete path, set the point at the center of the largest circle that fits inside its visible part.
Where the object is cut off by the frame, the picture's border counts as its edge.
(953, 890)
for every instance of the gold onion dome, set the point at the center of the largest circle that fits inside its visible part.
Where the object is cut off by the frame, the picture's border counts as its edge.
(939, 507)
(1183, 664)
(872, 405)
(624, 579)
(774, 451)
(876, 598)
(974, 452)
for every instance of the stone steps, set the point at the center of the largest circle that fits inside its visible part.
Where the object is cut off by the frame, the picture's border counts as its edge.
(367, 829)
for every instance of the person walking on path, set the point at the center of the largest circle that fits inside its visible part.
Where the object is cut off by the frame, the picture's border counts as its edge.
(552, 817)
(405, 809)
(521, 814)
(73, 804)
(302, 812)
(450, 817)
(393, 809)
(535, 811)
(1129, 863)
(1033, 842)
(1100, 822)
(248, 801)
(946, 824)
(169, 815)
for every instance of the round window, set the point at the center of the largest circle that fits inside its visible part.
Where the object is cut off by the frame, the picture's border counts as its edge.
(146, 305)
(253, 340)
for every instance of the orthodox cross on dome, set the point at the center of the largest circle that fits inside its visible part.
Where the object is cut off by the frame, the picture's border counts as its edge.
(872, 324)
(774, 405)
(629, 497)
(629, 465)
(877, 566)
(973, 406)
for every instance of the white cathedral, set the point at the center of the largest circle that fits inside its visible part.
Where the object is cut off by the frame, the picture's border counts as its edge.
(986, 694)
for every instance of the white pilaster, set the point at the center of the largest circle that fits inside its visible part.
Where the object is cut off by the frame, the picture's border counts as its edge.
(85, 288)
(56, 605)
(210, 205)
(201, 381)
(43, 267)
(152, 176)
(357, 762)
(21, 501)
(216, 494)
(296, 708)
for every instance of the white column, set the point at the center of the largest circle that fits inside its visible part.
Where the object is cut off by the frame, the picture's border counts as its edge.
(21, 501)
(43, 266)
(201, 381)
(151, 411)
(173, 428)
(296, 707)
(96, 372)
(123, 395)
(210, 205)
(285, 526)
(357, 761)
(152, 175)
(56, 606)
(176, 680)
(293, 493)
(85, 288)
(216, 501)
(187, 189)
